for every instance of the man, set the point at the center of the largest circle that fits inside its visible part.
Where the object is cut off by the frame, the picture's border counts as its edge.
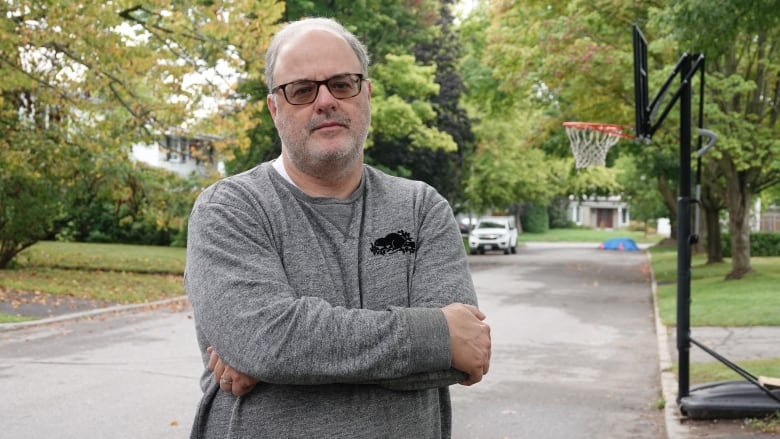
(330, 299)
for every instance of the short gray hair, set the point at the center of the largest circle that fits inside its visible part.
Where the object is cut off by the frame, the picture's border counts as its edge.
(311, 23)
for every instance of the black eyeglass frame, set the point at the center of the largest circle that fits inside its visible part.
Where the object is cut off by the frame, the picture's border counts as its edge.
(359, 81)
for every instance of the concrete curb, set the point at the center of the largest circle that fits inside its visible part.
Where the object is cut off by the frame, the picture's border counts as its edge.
(672, 415)
(91, 313)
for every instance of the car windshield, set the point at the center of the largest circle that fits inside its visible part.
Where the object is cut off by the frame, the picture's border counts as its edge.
(491, 225)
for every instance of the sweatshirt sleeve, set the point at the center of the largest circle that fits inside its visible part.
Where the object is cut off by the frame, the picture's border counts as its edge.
(245, 308)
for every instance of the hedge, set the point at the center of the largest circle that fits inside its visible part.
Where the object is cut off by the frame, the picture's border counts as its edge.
(761, 244)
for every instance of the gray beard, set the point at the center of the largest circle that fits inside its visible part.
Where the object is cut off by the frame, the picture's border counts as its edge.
(330, 167)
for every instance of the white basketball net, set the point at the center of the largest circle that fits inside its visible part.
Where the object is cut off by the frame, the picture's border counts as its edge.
(590, 145)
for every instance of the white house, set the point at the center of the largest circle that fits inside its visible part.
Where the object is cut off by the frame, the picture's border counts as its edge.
(599, 212)
(180, 154)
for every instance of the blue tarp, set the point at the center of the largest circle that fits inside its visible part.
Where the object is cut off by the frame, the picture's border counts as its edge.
(619, 244)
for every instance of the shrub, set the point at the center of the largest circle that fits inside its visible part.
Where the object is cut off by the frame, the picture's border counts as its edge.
(558, 211)
(761, 244)
(534, 219)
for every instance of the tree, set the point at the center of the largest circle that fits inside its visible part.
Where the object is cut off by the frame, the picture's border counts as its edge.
(530, 66)
(84, 81)
(743, 85)
(446, 169)
(25, 214)
(384, 26)
(646, 201)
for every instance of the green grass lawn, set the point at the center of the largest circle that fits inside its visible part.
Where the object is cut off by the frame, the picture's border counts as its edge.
(116, 257)
(751, 301)
(715, 371)
(115, 286)
(587, 235)
(7, 318)
(113, 272)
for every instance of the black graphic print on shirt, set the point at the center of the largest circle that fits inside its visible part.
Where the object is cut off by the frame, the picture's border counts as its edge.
(394, 242)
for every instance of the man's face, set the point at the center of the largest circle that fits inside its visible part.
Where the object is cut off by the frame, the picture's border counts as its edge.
(326, 136)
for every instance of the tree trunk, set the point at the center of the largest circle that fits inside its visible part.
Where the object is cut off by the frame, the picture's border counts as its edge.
(5, 259)
(9, 249)
(738, 199)
(669, 197)
(711, 227)
(714, 244)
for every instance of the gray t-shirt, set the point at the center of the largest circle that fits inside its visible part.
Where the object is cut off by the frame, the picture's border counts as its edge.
(333, 304)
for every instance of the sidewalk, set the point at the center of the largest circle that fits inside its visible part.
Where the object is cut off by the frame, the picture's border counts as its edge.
(735, 344)
(51, 308)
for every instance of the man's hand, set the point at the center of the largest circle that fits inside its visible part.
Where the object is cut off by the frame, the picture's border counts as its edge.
(469, 340)
(229, 379)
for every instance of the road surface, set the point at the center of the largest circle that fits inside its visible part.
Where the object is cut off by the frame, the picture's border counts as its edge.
(574, 356)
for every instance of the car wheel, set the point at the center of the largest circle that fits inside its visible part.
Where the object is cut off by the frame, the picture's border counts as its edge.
(514, 249)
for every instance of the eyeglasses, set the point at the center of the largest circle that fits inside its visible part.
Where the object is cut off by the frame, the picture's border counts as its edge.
(306, 91)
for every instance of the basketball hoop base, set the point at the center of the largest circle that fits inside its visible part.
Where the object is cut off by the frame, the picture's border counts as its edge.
(590, 142)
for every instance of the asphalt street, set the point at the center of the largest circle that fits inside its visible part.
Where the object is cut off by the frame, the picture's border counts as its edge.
(575, 355)
(121, 376)
(575, 352)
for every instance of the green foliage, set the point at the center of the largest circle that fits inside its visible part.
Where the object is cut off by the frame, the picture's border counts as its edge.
(761, 244)
(743, 71)
(405, 137)
(83, 82)
(264, 144)
(506, 170)
(558, 212)
(27, 212)
(445, 51)
(384, 26)
(151, 207)
(401, 108)
(529, 66)
(534, 219)
(642, 191)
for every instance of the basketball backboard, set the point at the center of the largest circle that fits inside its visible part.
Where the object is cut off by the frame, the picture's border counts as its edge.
(641, 95)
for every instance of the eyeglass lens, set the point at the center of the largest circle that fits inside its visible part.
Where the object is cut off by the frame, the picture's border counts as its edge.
(305, 92)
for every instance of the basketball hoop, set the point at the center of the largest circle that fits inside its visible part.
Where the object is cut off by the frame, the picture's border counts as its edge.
(590, 141)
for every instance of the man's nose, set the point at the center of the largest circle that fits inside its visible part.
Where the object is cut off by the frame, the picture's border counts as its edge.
(324, 97)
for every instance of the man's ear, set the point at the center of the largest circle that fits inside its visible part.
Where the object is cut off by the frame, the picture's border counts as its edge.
(270, 100)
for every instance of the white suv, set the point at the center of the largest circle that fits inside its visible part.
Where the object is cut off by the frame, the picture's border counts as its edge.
(494, 233)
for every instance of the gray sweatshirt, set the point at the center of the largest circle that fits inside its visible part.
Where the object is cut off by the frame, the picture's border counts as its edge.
(334, 305)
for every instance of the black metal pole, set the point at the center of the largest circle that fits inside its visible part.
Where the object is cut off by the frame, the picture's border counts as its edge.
(683, 233)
